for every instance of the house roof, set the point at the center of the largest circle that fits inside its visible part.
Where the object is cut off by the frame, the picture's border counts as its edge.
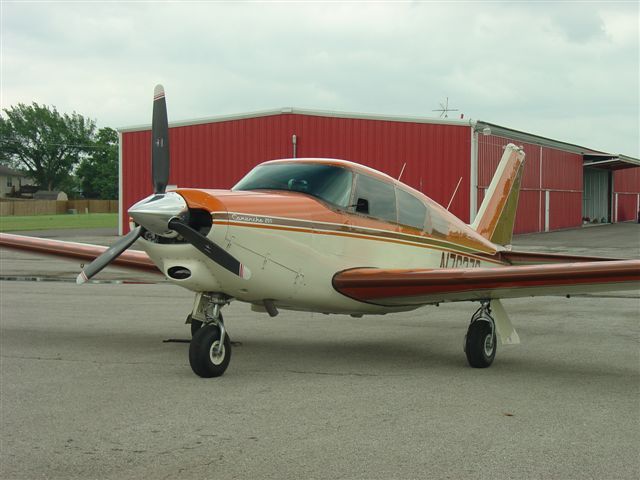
(10, 172)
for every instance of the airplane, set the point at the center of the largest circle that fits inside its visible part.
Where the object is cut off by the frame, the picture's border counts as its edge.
(334, 237)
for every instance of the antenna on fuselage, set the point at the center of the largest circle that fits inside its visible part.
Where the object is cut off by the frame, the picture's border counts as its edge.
(402, 171)
(454, 193)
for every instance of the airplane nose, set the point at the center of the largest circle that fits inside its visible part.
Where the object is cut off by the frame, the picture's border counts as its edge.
(155, 211)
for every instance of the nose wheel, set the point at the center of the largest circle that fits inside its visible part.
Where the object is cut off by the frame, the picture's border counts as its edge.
(210, 351)
(195, 324)
(210, 347)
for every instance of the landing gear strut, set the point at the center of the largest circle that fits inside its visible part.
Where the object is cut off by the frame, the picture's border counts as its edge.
(195, 324)
(480, 342)
(210, 348)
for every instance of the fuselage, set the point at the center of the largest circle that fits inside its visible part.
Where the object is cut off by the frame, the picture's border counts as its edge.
(294, 241)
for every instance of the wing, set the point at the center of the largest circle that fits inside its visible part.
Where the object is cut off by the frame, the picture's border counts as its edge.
(131, 258)
(420, 287)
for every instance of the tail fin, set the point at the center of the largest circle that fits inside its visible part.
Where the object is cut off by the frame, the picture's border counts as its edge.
(497, 213)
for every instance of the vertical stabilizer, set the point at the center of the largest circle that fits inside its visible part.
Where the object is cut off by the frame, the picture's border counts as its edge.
(497, 213)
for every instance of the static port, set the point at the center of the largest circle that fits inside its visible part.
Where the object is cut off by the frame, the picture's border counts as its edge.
(179, 273)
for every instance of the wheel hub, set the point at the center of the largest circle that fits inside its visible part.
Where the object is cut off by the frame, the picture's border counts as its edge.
(216, 356)
(488, 345)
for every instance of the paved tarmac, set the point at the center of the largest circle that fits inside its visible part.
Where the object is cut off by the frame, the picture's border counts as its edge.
(88, 388)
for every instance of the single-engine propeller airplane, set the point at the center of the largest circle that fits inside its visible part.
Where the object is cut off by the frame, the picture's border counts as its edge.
(334, 237)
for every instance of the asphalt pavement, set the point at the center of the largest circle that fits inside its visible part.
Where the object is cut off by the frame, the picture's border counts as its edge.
(89, 387)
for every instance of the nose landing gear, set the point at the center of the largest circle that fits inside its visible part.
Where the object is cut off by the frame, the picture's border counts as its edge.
(210, 347)
(480, 343)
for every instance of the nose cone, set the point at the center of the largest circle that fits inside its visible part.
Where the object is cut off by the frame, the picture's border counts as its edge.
(154, 212)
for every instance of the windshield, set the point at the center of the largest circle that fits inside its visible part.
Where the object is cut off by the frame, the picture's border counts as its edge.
(330, 183)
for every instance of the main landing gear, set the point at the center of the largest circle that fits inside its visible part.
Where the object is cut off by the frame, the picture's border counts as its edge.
(480, 341)
(210, 348)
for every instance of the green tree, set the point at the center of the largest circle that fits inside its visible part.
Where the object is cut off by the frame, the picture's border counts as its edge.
(44, 143)
(98, 173)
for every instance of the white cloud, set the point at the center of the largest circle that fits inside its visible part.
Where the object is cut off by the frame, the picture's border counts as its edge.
(566, 70)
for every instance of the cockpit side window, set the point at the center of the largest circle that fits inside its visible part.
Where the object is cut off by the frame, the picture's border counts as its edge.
(375, 198)
(411, 211)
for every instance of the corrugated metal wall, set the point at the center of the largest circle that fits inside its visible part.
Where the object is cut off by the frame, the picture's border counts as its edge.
(217, 155)
(626, 188)
(596, 196)
(546, 169)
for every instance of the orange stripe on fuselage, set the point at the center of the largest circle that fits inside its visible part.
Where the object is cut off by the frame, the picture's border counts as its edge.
(316, 229)
(300, 207)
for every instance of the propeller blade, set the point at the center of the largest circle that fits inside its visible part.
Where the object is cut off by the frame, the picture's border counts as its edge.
(109, 255)
(210, 249)
(159, 142)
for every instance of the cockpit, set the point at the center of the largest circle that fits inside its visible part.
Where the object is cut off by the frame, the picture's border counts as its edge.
(355, 191)
(326, 182)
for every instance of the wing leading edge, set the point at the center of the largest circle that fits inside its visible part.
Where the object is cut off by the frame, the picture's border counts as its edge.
(131, 259)
(421, 287)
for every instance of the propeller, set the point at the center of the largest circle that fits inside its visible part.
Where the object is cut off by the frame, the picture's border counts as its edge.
(159, 174)
(108, 255)
(163, 213)
(159, 141)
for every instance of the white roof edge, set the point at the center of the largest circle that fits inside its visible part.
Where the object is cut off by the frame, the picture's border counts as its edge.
(627, 158)
(513, 134)
(478, 125)
(303, 111)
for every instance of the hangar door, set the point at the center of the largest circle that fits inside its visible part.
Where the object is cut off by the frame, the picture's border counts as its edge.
(597, 194)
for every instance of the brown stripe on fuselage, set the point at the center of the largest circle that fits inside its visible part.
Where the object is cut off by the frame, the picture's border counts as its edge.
(303, 207)
(350, 231)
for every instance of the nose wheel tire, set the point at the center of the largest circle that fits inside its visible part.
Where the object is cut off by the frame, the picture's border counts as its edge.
(205, 358)
(480, 344)
(195, 324)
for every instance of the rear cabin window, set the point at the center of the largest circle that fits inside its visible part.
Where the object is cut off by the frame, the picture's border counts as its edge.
(411, 211)
(440, 223)
(379, 197)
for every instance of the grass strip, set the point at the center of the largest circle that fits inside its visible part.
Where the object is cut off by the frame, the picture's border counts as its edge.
(52, 222)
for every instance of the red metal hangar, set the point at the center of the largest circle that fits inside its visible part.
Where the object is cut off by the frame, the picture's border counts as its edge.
(451, 161)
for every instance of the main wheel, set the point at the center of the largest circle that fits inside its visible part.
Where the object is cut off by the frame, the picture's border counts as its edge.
(204, 360)
(480, 345)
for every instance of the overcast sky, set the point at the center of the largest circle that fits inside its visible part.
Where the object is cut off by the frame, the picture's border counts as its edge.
(566, 70)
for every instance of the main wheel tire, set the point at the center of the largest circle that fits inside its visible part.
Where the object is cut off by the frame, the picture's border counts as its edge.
(204, 362)
(480, 345)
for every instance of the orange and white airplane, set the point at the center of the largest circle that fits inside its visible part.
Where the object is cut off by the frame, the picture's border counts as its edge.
(334, 237)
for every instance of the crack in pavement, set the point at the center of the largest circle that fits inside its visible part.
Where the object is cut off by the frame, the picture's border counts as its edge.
(77, 360)
(342, 374)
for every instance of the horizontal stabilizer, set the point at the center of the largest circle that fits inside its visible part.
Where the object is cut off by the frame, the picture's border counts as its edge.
(517, 257)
